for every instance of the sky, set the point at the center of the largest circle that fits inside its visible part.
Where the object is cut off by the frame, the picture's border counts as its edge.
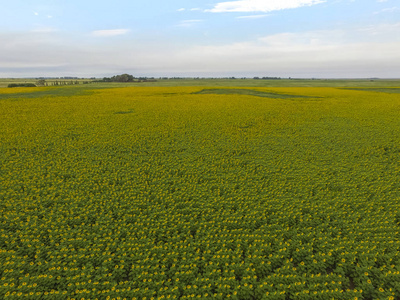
(200, 38)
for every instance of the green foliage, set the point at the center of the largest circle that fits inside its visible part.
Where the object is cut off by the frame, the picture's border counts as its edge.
(391, 90)
(224, 82)
(250, 92)
(40, 92)
(41, 82)
(119, 78)
(165, 193)
(13, 85)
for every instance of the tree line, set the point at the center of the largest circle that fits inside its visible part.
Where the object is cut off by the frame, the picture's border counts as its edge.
(126, 78)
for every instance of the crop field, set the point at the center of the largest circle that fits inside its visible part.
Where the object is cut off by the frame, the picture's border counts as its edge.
(200, 193)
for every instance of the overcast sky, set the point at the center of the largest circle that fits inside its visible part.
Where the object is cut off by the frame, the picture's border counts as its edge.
(297, 38)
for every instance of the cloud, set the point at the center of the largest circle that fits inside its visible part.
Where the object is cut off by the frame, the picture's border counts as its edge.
(44, 30)
(352, 52)
(253, 17)
(382, 32)
(387, 10)
(191, 9)
(261, 5)
(358, 52)
(188, 23)
(110, 32)
(35, 13)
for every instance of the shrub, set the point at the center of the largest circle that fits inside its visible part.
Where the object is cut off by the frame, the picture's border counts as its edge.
(11, 85)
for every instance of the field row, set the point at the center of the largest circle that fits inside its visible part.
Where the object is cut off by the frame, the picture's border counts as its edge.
(158, 193)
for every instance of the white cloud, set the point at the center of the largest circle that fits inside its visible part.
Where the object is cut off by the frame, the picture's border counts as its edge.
(371, 51)
(253, 17)
(189, 23)
(382, 32)
(387, 10)
(358, 52)
(44, 30)
(261, 5)
(35, 13)
(191, 9)
(110, 32)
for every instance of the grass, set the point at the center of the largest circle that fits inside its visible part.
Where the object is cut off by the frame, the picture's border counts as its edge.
(219, 86)
(220, 82)
(379, 90)
(4, 82)
(250, 92)
(48, 92)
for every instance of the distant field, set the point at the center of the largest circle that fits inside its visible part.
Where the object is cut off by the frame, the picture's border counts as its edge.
(236, 82)
(4, 82)
(238, 189)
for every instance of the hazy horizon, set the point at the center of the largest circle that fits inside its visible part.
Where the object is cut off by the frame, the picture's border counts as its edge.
(323, 39)
(205, 78)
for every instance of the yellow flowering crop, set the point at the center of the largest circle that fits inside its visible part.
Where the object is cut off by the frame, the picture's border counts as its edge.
(171, 193)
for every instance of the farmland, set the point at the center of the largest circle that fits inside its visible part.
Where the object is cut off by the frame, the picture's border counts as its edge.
(206, 192)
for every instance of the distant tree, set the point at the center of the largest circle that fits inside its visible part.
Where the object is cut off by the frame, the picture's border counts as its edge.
(123, 78)
(41, 82)
(119, 78)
